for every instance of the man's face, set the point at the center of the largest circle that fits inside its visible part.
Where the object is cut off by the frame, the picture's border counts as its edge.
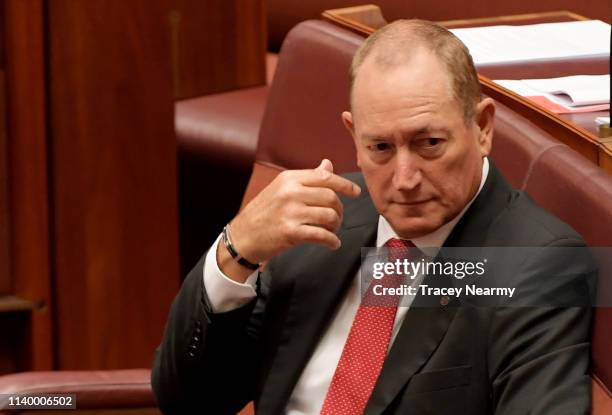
(421, 162)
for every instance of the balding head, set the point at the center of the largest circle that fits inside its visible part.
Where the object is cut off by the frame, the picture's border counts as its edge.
(397, 43)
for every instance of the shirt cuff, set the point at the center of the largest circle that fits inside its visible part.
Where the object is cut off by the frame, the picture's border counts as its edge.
(224, 293)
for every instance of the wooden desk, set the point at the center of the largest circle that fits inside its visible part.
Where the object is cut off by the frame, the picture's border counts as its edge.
(576, 130)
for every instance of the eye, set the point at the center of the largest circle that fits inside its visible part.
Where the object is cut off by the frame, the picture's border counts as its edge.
(431, 142)
(379, 147)
(430, 146)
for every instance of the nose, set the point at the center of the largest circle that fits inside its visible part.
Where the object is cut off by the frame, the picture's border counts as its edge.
(407, 174)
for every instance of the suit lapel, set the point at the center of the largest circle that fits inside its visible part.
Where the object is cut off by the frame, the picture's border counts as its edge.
(494, 198)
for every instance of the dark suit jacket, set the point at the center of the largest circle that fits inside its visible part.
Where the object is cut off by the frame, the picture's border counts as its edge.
(457, 358)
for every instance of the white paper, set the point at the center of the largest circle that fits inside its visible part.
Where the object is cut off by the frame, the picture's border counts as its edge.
(545, 41)
(580, 89)
(592, 99)
(571, 91)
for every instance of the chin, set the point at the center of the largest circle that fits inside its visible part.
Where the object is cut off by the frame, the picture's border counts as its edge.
(413, 227)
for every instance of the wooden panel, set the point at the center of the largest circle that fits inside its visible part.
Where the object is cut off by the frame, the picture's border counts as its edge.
(27, 187)
(113, 178)
(5, 279)
(360, 19)
(5, 264)
(605, 157)
(217, 45)
(517, 19)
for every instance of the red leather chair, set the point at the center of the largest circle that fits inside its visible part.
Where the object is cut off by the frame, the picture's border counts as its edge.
(517, 145)
(580, 193)
(94, 390)
(302, 119)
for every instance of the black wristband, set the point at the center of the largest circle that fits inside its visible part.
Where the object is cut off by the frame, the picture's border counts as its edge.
(232, 251)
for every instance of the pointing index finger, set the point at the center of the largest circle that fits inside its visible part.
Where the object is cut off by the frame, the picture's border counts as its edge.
(324, 178)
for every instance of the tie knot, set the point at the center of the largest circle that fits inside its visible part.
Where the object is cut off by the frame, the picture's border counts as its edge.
(399, 243)
(401, 249)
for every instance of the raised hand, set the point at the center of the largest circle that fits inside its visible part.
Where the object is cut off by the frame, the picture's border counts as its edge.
(299, 206)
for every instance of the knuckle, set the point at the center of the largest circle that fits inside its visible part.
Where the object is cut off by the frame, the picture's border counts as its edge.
(285, 230)
(330, 197)
(286, 191)
(318, 235)
(340, 209)
(324, 175)
(286, 177)
(331, 216)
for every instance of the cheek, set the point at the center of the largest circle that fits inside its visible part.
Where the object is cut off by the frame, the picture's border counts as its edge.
(451, 180)
(458, 180)
(377, 180)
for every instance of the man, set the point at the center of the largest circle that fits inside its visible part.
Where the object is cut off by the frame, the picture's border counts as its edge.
(297, 339)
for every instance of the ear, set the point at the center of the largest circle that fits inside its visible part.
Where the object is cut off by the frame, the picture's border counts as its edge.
(484, 117)
(347, 120)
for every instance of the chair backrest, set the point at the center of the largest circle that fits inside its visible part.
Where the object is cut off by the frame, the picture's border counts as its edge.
(310, 90)
(580, 193)
(517, 145)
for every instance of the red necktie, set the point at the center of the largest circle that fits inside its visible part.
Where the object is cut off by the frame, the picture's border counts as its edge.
(366, 346)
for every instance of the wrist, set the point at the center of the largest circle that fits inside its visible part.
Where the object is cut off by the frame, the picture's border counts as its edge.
(241, 235)
(230, 268)
(231, 248)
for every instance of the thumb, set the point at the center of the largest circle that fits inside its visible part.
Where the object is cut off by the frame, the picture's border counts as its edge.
(326, 165)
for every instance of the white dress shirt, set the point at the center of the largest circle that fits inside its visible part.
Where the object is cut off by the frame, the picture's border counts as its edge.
(310, 390)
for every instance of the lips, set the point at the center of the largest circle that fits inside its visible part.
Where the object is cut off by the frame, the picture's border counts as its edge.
(412, 202)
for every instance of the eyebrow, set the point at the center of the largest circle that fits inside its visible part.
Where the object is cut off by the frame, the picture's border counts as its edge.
(420, 131)
(430, 130)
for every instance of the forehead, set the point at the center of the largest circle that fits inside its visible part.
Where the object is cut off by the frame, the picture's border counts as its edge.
(418, 86)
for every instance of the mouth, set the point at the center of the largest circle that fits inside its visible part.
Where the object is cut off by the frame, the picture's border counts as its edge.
(411, 202)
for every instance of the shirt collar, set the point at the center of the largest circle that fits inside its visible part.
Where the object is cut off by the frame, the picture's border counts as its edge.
(436, 238)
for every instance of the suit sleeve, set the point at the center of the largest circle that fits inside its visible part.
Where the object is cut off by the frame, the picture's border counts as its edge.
(205, 363)
(539, 343)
